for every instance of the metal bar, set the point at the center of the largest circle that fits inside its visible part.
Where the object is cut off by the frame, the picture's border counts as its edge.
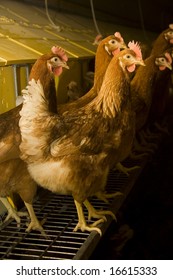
(61, 218)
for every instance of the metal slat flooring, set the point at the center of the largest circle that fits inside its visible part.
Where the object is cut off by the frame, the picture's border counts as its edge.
(60, 216)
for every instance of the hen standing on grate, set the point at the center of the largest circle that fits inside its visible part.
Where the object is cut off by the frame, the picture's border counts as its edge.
(10, 137)
(72, 154)
(14, 174)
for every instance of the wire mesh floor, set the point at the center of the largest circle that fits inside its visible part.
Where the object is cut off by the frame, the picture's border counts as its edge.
(60, 218)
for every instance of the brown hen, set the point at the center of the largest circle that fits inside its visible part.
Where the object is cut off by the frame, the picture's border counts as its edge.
(72, 154)
(107, 48)
(16, 179)
(143, 86)
(161, 93)
(9, 129)
(14, 171)
(163, 41)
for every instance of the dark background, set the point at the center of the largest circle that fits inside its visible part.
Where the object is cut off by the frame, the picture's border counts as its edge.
(152, 15)
(148, 211)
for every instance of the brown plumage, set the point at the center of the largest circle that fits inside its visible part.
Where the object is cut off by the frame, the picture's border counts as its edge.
(15, 178)
(163, 41)
(9, 134)
(9, 130)
(143, 85)
(75, 152)
(107, 48)
(161, 93)
(10, 137)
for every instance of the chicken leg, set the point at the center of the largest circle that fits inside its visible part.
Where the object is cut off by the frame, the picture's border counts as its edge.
(82, 225)
(105, 196)
(34, 224)
(124, 169)
(93, 213)
(12, 213)
(162, 128)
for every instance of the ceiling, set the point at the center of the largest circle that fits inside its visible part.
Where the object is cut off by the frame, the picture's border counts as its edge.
(152, 15)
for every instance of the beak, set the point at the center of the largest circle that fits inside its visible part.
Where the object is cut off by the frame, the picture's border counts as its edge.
(169, 66)
(123, 46)
(141, 62)
(63, 64)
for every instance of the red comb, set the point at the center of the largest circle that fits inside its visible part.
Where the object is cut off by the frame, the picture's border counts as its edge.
(60, 52)
(136, 48)
(168, 56)
(171, 26)
(118, 35)
(97, 40)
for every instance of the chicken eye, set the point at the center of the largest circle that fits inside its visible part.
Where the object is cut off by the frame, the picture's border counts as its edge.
(54, 59)
(128, 56)
(113, 41)
(162, 59)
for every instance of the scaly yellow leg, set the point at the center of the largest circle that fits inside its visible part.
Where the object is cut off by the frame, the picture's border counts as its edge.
(124, 169)
(34, 224)
(12, 213)
(82, 225)
(93, 213)
(105, 196)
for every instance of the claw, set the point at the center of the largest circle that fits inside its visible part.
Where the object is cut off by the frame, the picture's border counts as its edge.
(82, 225)
(34, 224)
(93, 213)
(105, 196)
(12, 213)
(85, 227)
(126, 170)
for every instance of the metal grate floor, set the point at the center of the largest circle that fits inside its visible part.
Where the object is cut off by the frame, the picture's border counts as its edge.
(60, 216)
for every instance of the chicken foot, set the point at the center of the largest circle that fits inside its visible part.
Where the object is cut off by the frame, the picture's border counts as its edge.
(12, 213)
(145, 141)
(124, 169)
(34, 224)
(135, 156)
(105, 196)
(162, 128)
(93, 213)
(138, 148)
(82, 225)
(151, 136)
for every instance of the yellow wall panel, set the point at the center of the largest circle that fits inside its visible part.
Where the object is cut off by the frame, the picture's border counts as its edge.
(22, 74)
(7, 89)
